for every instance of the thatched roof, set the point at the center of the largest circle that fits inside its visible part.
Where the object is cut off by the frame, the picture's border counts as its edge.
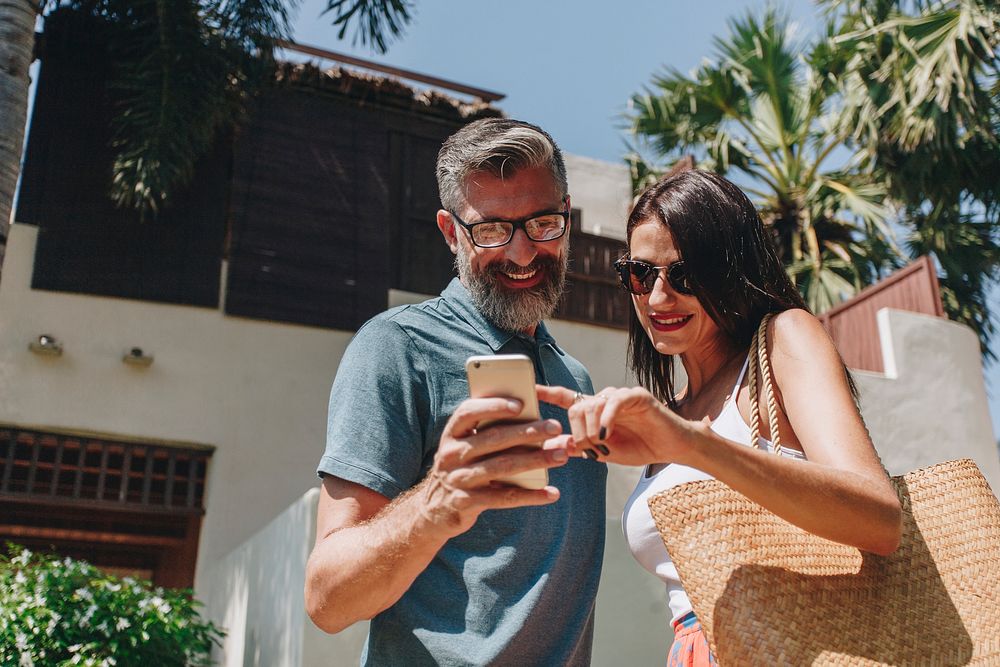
(383, 90)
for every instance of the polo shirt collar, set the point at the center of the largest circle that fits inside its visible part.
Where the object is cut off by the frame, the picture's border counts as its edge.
(497, 338)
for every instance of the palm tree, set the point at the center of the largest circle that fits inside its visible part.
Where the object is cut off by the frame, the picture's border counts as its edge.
(929, 121)
(759, 109)
(184, 69)
(896, 102)
(17, 40)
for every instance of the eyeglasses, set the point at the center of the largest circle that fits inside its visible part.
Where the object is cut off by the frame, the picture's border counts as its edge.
(547, 226)
(638, 277)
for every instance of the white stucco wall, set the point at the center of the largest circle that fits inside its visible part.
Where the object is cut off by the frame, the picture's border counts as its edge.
(257, 587)
(256, 593)
(930, 405)
(257, 391)
(603, 191)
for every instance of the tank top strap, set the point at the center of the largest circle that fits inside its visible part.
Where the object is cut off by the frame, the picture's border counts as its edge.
(739, 379)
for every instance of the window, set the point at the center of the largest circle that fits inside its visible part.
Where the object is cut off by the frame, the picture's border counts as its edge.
(126, 505)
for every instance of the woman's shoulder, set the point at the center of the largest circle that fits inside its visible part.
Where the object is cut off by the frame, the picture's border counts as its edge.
(797, 334)
(796, 327)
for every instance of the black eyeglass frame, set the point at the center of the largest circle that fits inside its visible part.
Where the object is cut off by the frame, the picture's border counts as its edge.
(679, 283)
(515, 225)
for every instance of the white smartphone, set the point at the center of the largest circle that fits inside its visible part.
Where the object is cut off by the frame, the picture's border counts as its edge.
(508, 376)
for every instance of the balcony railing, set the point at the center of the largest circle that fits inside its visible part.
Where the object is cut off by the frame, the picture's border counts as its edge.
(40, 465)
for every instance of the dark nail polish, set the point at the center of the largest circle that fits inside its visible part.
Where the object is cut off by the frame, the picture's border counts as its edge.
(603, 449)
(590, 454)
(603, 434)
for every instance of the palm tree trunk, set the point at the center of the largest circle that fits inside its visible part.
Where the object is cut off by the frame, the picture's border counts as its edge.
(17, 41)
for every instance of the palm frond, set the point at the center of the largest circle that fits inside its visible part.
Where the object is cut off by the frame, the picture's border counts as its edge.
(183, 72)
(825, 285)
(375, 21)
(252, 24)
(172, 86)
(902, 95)
(920, 71)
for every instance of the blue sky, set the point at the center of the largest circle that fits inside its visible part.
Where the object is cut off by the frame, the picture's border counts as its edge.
(567, 65)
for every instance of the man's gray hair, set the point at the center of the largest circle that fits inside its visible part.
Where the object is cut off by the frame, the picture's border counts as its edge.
(499, 146)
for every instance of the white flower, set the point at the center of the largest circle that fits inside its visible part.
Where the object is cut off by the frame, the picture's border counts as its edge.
(88, 615)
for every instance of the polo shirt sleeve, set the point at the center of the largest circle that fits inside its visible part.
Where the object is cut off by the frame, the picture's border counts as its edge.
(378, 406)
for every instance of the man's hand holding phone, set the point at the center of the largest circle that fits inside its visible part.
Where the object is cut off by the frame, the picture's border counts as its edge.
(509, 376)
(486, 448)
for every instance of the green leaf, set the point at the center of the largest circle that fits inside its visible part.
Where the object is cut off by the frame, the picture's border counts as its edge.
(375, 21)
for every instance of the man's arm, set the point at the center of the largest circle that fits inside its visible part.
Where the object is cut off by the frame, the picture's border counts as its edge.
(369, 549)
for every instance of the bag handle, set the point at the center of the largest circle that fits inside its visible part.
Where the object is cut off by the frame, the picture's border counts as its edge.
(758, 353)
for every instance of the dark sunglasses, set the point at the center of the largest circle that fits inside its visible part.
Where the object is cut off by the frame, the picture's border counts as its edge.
(638, 277)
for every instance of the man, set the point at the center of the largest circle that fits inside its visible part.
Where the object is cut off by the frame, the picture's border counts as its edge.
(412, 531)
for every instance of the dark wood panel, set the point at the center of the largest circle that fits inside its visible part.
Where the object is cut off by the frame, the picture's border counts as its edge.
(423, 263)
(330, 200)
(333, 205)
(593, 294)
(308, 215)
(86, 244)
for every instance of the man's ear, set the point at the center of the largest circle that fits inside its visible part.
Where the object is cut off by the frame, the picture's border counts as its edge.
(447, 226)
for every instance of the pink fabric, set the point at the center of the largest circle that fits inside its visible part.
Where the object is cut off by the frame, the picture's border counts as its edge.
(690, 648)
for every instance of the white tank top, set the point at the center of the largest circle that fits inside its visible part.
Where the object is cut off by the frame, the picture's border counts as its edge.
(637, 523)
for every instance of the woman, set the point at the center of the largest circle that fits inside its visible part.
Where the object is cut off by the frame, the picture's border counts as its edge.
(703, 274)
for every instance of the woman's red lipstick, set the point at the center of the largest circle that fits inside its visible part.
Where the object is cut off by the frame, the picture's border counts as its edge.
(668, 322)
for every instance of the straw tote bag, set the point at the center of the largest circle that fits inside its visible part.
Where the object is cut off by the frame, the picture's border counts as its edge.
(769, 593)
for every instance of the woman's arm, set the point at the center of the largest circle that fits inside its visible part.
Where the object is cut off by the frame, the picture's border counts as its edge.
(843, 492)
(840, 493)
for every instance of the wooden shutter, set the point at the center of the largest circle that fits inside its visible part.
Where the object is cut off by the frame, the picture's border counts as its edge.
(592, 294)
(423, 263)
(85, 243)
(310, 213)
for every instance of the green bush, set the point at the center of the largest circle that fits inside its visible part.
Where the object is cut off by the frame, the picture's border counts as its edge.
(67, 612)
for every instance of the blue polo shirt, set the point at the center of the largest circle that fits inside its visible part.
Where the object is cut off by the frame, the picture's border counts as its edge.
(518, 588)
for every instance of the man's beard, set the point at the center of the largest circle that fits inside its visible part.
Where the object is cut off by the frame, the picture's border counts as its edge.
(508, 308)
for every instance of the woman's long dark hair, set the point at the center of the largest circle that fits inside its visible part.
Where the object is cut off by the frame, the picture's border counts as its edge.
(734, 270)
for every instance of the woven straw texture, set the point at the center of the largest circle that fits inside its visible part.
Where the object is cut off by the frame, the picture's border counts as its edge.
(769, 593)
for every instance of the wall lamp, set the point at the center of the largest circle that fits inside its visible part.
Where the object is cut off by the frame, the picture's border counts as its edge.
(46, 344)
(136, 357)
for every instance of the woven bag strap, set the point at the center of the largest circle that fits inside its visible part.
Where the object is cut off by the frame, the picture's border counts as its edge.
(758, 352)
